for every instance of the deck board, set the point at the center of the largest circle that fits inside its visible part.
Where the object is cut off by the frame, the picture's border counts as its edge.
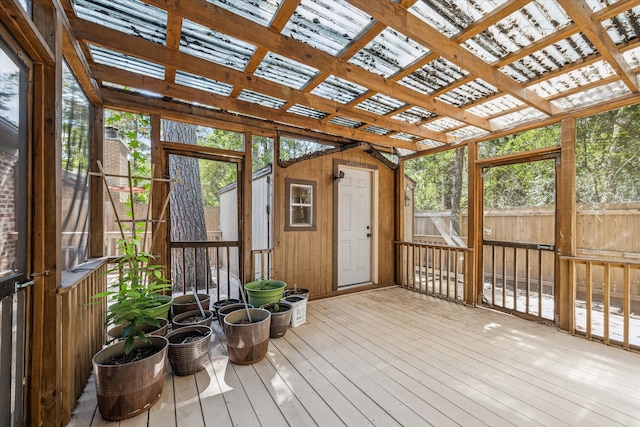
(395, 357)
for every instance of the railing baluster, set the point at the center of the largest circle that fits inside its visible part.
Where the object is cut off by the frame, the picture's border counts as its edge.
(626, 306)
(589, 298)
(607, 302)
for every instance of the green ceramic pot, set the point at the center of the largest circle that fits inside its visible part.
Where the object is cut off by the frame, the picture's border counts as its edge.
(163, 309)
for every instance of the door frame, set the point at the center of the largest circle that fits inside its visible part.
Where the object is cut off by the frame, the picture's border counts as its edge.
(512, 159)
(373, 169)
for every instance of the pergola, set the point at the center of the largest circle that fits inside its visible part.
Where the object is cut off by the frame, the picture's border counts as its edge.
(405, 78)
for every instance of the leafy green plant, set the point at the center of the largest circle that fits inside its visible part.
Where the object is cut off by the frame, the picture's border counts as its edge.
(137, 293)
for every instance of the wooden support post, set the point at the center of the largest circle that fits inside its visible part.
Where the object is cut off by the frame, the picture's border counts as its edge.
(473, 270)
(566, 225)
(96, 189)
(45, 403)
(399, 220)
(160, 190)
(245, 212)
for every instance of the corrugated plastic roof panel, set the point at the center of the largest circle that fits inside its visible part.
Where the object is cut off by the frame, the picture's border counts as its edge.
(326, 25)
(624, 27)
(126, 62)
(339, 90)
(288, 72)
(596, 5)
(307, 112)
(551, 58)
(495, 106)
(413, 115)
(260, 11)
(435, 75)
(203, 83)
(468, 93)
(380, 104)
(573, 79)
(203, 42)
(403, 136)
(343, 121)
(129, 16)
(389, 52)
(429, 143)
(534, 21)
(452, 16)
(593, 96)
(632, 56)
(517, 117)
(258, 98)
(442, 124)
(377, 130)
(468, 132)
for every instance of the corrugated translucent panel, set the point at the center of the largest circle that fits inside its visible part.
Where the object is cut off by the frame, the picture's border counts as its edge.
(495, 106)
(430, 143)
(260, 11)
(633, 57)
(624, 27)
(596, 5)
(380, 104)
(258, 98)
(307, 112)
(343, 121)
(285, 71)
(451, 16)
(533, 22)
(205, 43)
(203, 83)
(433, 76)
(467, 132)
(593, 96)
(389, 52)
(129, 16)
(576, 78)
(326, 25)
(468, 93)
(126, 62)
(442, 124)
(391, 157)
(377, 130)
(131, 89)
(403, 136)
(517, 117)
(339, 90)
(551, 58)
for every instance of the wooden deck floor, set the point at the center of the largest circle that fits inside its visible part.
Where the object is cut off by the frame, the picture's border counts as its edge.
(394, 357)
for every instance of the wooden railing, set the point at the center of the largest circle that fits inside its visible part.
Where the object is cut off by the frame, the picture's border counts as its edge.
(433, 269)
(83, 331)
(606, 300)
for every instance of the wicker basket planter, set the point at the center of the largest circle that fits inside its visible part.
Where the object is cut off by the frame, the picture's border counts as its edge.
(182, 319)
(187, 302)
(224, 302)
(188, 349)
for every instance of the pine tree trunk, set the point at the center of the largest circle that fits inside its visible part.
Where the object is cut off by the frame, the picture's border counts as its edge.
(187, 213)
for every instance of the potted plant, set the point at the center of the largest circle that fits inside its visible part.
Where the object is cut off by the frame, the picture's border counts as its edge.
(297, 291)
(188, 349)
(223, 311)
(280, 318)
(130, 374)
(223, 302)
(264, 291)
(192, 318)
(247, 335)
(188, 302)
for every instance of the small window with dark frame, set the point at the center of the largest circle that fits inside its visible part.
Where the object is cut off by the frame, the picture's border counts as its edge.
(301, 205)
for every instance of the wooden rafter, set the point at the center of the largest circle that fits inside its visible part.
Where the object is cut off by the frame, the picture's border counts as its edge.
(579, 11)
(207, 14)
(115, 40)
(412, 27)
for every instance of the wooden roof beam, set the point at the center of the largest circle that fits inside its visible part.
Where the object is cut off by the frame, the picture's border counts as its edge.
(154, 52)
(579, 11)
(411, 26)
(172, 90)
(227, 22)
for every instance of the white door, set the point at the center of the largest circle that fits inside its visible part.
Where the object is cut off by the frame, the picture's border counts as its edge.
(354, 227)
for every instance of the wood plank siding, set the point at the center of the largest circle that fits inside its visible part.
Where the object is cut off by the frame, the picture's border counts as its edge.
(395, 357)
